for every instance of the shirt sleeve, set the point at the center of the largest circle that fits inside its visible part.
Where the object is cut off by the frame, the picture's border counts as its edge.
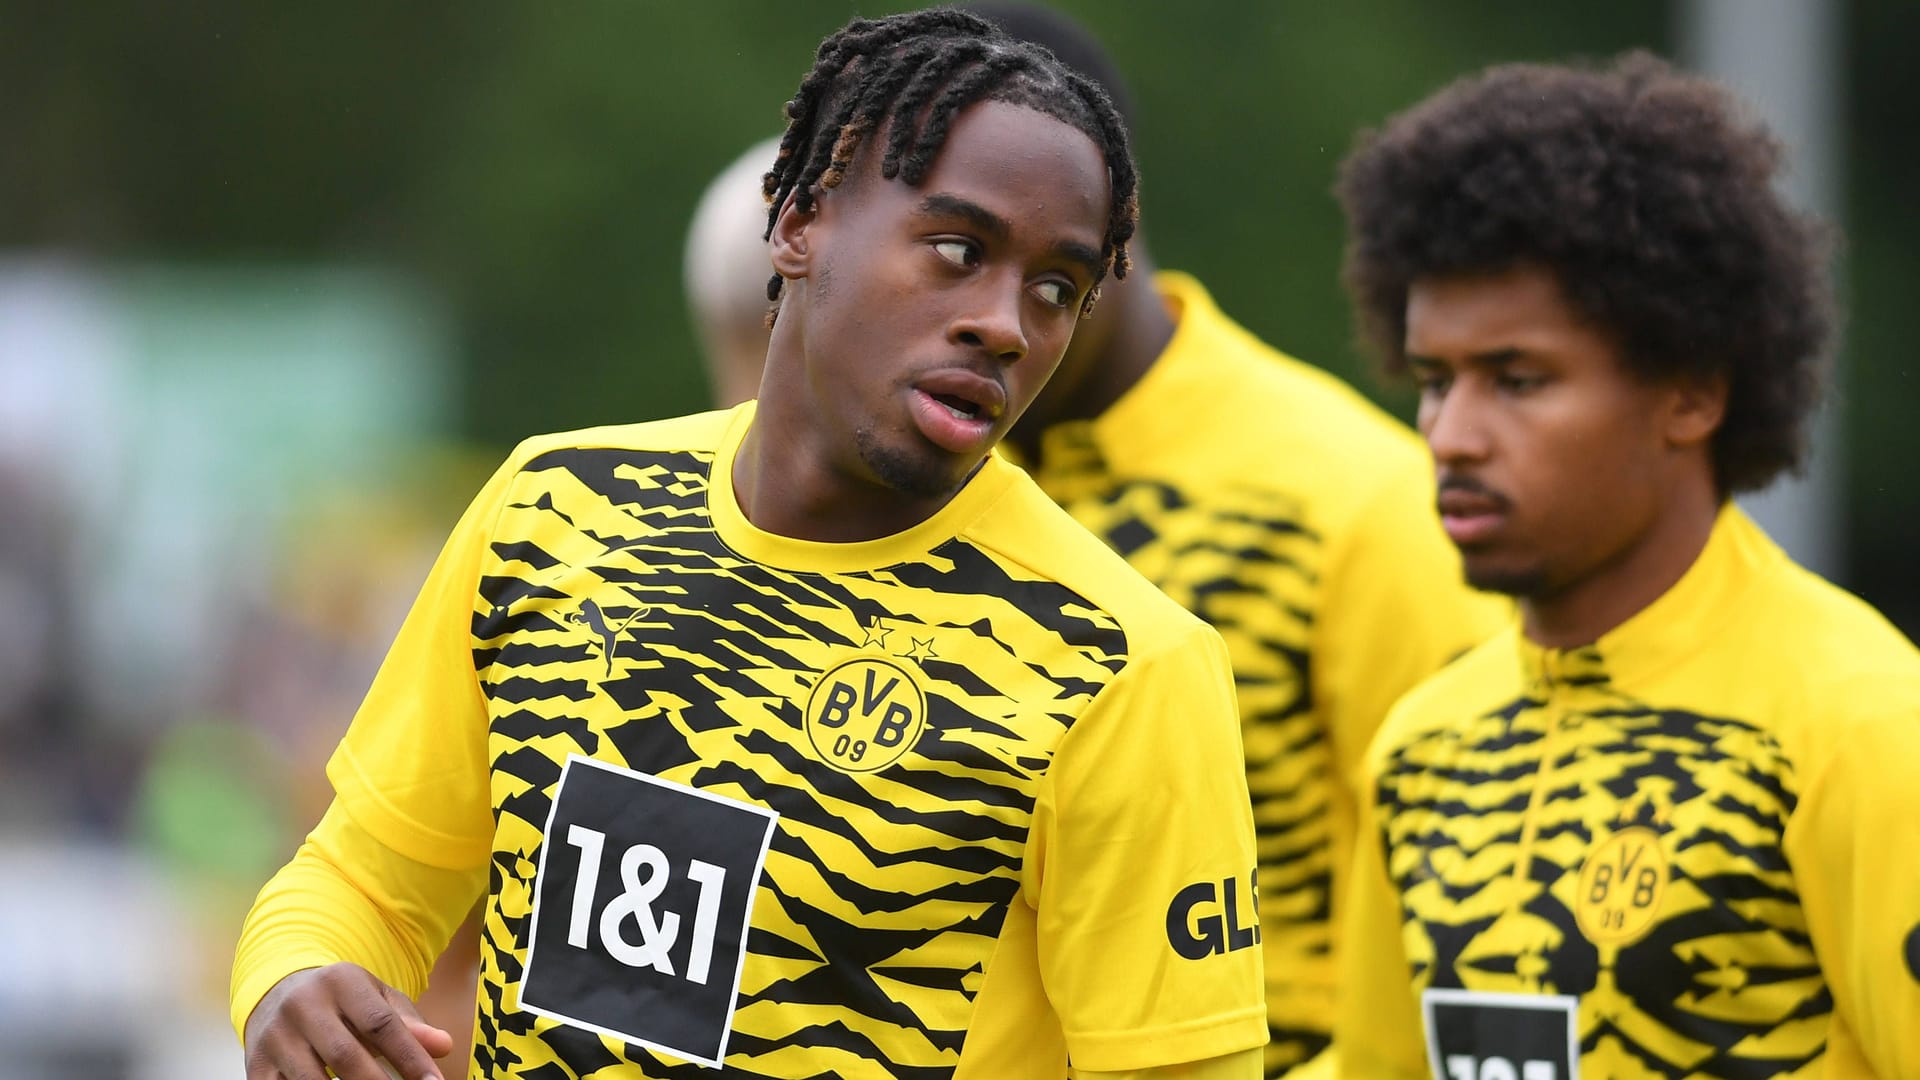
(412, 768)
(1140, 869)
(1860, 888)
(346, 896)
(1377, 1034)
(410, 827)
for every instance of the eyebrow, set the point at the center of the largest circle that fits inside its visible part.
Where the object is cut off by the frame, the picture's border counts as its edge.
(1088, 258)
(988, 222)
(1491, 358)
(995, 227)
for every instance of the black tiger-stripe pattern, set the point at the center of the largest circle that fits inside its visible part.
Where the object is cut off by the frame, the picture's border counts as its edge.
(1488, 825)
(883, 892)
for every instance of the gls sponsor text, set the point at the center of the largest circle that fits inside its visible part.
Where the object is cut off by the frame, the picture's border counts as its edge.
(1208, 918)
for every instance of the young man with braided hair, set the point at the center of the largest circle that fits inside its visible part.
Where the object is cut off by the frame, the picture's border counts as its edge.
(807, 738)
(1288, 512)
(1642, 831)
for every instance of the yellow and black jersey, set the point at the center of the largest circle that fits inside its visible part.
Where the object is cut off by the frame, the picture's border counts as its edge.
(963, 801)
(1297, 519)
(1681, 851)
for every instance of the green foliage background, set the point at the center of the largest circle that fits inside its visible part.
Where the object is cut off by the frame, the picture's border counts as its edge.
(535, 164)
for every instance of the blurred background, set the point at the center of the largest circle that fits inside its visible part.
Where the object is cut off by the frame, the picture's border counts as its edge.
(280, 283)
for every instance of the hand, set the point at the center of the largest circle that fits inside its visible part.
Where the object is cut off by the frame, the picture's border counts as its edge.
(340, 1017)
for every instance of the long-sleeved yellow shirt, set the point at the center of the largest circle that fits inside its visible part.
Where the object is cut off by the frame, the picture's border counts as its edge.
(1684, 850)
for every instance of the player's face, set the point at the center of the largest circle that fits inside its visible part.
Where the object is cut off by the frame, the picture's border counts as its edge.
(930, 316)
(1553, 460)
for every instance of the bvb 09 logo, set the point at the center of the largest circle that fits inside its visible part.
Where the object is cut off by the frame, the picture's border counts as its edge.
(864, 715)
(1620, 887)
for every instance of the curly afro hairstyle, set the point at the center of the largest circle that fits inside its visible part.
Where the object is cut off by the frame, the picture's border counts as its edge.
(1649, 197)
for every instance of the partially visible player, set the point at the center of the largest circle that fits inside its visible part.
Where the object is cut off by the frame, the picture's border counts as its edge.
(726, 267)
(807, 738)
(1279, 505)
(1663, 825)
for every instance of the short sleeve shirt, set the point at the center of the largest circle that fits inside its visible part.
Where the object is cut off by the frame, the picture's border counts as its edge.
(964, 801)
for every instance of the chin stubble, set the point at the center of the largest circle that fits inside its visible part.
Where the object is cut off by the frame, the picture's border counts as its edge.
(901, 471)
(1521, 584)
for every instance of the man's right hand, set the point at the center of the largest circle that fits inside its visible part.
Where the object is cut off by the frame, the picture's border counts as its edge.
(340, 1017)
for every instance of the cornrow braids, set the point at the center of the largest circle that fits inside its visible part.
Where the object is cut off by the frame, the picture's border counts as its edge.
(909, 76)
(914, 99)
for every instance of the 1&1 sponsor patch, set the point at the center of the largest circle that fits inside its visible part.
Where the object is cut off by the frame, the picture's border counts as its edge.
(641, 906)
(1477, 1035)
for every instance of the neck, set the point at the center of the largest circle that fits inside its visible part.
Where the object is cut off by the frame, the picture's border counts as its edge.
(1105, 367)
(1581, 613)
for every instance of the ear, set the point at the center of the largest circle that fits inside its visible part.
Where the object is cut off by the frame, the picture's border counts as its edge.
(1695, 409)
(790, 240)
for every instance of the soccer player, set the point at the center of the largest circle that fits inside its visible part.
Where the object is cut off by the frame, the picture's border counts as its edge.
(807, 739)
(726, 269)
(1662, 825)
(1279, 505)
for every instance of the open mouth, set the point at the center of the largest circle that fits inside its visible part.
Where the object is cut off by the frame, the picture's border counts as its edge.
(956, 410)
(961, 408)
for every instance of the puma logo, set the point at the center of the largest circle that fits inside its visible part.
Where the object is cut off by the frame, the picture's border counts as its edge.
(593, 618)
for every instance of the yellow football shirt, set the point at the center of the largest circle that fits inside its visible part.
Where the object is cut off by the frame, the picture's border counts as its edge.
(963, 801)
(1683, 850)
(1279, 505)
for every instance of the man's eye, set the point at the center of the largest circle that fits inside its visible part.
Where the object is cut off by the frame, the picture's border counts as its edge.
(1057, 293)
(957, 252)
(1520, 384)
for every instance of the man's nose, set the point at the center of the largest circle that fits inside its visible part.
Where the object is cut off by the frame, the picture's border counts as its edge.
(1455, 426)
(991, 320)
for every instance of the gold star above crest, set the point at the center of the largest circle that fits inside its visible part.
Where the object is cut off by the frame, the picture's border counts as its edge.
(922, 651)
(875, 634)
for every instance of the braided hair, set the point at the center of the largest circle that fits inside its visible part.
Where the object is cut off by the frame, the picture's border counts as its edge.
(908, 76)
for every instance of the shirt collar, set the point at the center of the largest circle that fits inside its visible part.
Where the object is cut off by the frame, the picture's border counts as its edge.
(981, 491)
(1675, 626)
